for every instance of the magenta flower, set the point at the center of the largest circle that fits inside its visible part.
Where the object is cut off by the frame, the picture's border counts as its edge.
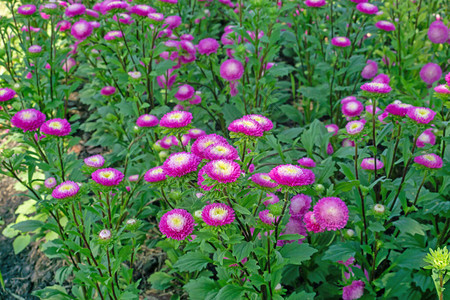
(340, 41)
(306, 162)
(63, 25)
(271, 198)
(311, 223)
(115, 5)
(195, 133)
(50, 182)
(231, 70)
(92, 13)
(354, 127)
(75, 9)
(107, 90)
(142, 10)
(352, 108)
(107, 177)
(367, 8)
(381, 78)
(208, 46)
(180, 164)
(173, 22)
(430, 73)
(370, 70)
(290, 175)
(421, 115)
(177, 224)
(7, 94)
(447, 78)
(376, 88)
(68, 64)
(427, 137)
(65, 190)
(199, 146)
(263, 180)
(56, 127)
(156, 17)
(176, 119)
(147, 121)
(442, 89)
(133, 178)
(353, 291)
(300, 204)
(185, 92)
(123, 18)
(223, 171)
(431, 161)
(35, 49)
(264, 122)
(348, 143)
(112, 35)
(385, 25)
(155, 174)
(369, 164)
(94, 161)
(331, 213)
(221, 151)
(27, 9)
(438, 33)
(201, 180)
(332, 128)
(246, 126)
(217, 214)
(81, 30)
(28, 119)
(315, 3)
(266, 217)
(398, 109)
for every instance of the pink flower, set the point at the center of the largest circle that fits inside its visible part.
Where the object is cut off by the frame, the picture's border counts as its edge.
(381, 78)
(348, 143)
(427, 137)
(421, 115)
(50, 182)
(156, 17)
(306, 162)
(147, 121)
(438, 33)
(353, 291)
(142, 10)
(398, 109)
(176, 119)
(231, 70)
(63, 25)
(332, 128)
(56, 127)
(442, 89)
(115, 5)
(81, 30)
(311, 223)
(352, 108)
(376, 88)
(95, 161)
(370, 70)
(28, 119)
(447, 78)
(155, 174)
(369, 164)
(223, 171)
(367, 8)
(290, 175)
(68, 64)
(112, 35)
(266, 217)
(263, 180)
(271, 198)
(246, 126)
(199, 146)
(331, 213)
(431, 161)
(340, 41)
(300, 204)
(354, 127)
(185, 92)
(264, 122)
(330, 149)
(430, 73)
(195, 133)
(108, 90)
(65, 190)
(27, 9)
(180, 164)
(217, 214)
(107, 177)
(7, 94)
(167, 80)
(315, 3)
(385, 25)
(208, 46)
(75, 9)
(221, 151)
(177, 224)
(172, 22)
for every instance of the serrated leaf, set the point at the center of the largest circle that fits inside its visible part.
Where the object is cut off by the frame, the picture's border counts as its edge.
(191, 262)
(297, 253)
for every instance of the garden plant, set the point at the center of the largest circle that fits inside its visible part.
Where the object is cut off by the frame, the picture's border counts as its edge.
(269, 149)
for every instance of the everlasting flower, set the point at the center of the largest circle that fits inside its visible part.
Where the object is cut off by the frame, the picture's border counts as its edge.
(246, 126)
(75, 9)
(332, 128)
(185, 92)
(7, 94)
(385, 25)
(56, 127)
(263, 180)
(290, 175)
(271, 198)
(108, 90)
(28, 119)
(199, 146)
(156, 17)
(376, 88)
(172, 22)
(370, 70)
(430, 73)
(353, 291)
(179, 164)
(155, 174)
(311, 223)
(431, 161)
(300, 204)
(306, 162)
(112, 35)
(27, 9)
(208, 46)
(231, 70)
(381, 78)
(421, 115)
(398, 109)
(81, 30)
(221, 151)
(352, 108)
(65, 190)
(217, 214)
(195, 133)
(176, 119)
(147, 121)
(367, 8)
(438, 33)
(331, 213)
(223, 171)
(95, 161)
(34, 49)
(142, 10)
(266, 217)
(107, 177)
(354, 127)
(177, 224)
(442, 89)
(264, 122)
(315, 3)
(115, 5)
(369, 164)
(340, 41)
(427, 137)
(50, 182)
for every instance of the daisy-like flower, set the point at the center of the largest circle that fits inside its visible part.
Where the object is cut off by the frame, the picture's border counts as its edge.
(294, 226)
(431, 161)
(223, 171)
(300, 204)
(353, 291)
(201, 180)
(35, 49)
(155, 174)
(264, 122)
(65, 190)
(354, 127)
(331, 213)
(266, 217)
(315, 3)
(340, 41)
(438, 33)
(208, 46)
(427, 137)
(442, 89)
(376, 88)
(133, 178)
(231, 70)
(430, 73)
(115, 5)
(311, 223)
(447, 78)
(348, 143)
(246, 126)
(221, 151)
(199, 146)
(181, 163)
(50, 182)
(107, 177)
(177, 224)
(7, 94)
(352, 108)
(367, 8)
(147, 121)
(95, 161)
(332, 128)
(290, 175)
(81, 30)
(27, 9)
(75, 9)
(112, 35)
(271, 198)
(263, 180)
(142, 10)
(306, 162)
(56, 127)
(173, 22)
(385, 25)
(92, 13)
(135, 74)
(176, 119)
(398, 109)
(369, 164)
(156, 17)
(217, 214)
(185, 92)
(28, 119)
(370, 70)
(381, 78)
(421, 115)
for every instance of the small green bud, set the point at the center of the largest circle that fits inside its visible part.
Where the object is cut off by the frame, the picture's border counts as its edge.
(163, 155)
(276, 209)
(319, 188)
(110, 117)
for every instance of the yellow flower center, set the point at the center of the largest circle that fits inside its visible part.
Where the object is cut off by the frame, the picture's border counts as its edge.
(176, 222)
(218, 213)
(55, 125)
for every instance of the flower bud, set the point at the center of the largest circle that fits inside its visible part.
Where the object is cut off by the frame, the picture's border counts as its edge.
(319, 188)
(349, 233)
(163, 155)
(105, 234)
(379, 209)
(276, 209)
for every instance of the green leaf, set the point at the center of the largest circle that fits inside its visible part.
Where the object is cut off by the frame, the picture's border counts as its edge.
(28, 225)
(301, 295)
(26, 208)
(242, 250)
(2, 283)
(160, 280)
(191, 262)
(297, 253)
(230, 292)
(341, 251)
(408, 225)
(20, 243)
(292, 113)
(202, 286)
(411, 259)
(62, 274)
